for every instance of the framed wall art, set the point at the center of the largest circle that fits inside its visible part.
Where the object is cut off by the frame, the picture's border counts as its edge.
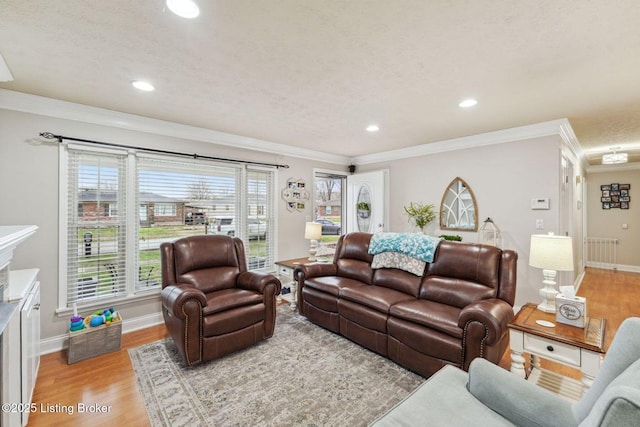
(295, 195)
(615, 196)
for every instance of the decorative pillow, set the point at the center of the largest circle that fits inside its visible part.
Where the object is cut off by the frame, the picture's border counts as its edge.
(400, 261)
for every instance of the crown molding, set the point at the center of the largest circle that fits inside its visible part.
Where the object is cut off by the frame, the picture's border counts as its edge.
(560, 127)
(35, 104)
(613, 168)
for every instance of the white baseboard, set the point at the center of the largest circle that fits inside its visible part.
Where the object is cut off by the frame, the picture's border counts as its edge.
(60, 342)
(619, 267)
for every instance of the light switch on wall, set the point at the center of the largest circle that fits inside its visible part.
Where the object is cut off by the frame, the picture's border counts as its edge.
(539, 224)
(625, 226)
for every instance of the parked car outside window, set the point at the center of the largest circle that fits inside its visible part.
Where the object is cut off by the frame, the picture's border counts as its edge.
(226, 227)
(329, 227)
(195, 218)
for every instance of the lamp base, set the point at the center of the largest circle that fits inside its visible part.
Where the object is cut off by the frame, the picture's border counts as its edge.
(312, 251)
(549, 292)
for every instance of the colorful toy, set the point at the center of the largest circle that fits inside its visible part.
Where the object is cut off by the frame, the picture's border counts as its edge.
(97, 320)
(76, 323)
(99, 317)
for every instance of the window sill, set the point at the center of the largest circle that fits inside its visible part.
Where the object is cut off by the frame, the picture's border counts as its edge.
(109, 302)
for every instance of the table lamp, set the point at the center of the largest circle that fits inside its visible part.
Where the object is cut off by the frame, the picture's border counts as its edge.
(551, 253)
(313, 232)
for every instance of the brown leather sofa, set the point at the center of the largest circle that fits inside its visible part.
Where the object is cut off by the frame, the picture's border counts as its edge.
(456, 311)
(211, 304)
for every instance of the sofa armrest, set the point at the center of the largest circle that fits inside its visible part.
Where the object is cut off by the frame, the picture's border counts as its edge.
(175, 298)
(521, 402)
(258, 281)
(314, 269)
(495, 314)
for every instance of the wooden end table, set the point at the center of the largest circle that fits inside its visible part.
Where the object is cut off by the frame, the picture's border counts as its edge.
(581, 348)
(285, 272)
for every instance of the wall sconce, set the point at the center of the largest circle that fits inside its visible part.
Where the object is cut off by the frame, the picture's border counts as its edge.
(313, 232)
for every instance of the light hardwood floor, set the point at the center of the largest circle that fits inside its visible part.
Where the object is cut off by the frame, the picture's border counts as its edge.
(109, 380)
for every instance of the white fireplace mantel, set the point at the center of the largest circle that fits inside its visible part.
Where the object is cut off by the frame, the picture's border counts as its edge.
(10, 237)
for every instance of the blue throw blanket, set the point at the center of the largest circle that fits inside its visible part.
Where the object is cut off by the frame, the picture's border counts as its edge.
(415, 245)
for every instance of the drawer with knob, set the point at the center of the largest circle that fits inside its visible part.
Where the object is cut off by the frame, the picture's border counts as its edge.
(552, 350)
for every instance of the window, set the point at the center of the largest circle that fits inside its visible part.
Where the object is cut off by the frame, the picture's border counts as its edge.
(95, 233)
(328, 205)
(164, 210)
(125, 205)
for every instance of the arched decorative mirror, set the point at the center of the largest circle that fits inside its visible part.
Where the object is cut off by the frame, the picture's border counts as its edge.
(458, 209)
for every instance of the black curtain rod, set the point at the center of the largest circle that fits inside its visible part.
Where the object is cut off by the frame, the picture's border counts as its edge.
(60, 138)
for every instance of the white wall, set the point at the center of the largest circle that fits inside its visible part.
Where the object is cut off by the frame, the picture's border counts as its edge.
(29, 195)
(608, 222)
(504, 178)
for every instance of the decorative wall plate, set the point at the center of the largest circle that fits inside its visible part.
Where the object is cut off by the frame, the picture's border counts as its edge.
(295, 194)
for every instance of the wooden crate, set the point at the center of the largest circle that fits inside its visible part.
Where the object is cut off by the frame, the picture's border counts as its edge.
(91, 342)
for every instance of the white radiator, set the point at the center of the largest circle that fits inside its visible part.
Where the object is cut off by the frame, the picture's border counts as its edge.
(602, 252)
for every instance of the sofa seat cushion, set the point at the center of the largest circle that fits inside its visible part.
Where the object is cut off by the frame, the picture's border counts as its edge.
(232, 320)
(332, 284)
(363, 316)
(431, 314)
(426, 341)
(227, 299)
(377, 297)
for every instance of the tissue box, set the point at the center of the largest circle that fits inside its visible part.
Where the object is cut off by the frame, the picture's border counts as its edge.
(571, 311)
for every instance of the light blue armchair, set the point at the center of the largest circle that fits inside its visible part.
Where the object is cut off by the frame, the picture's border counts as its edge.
(490, 396)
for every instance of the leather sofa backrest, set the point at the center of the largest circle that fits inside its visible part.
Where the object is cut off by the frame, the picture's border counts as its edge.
(352, 257)
(398, 280)
(209, 263)
(462, 273)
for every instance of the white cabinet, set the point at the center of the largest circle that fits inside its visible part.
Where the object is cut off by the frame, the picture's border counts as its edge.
(21, 346)
(30, 345)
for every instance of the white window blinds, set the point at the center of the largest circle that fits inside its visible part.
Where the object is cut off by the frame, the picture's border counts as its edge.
(178, 199)
(96, 227)
(122, 206)
(260, 217)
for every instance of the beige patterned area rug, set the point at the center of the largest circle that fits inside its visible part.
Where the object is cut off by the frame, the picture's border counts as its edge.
(303, 376)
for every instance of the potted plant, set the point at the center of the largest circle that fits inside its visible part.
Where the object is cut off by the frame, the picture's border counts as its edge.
(363, 209)
(420, 214)
(451, 237)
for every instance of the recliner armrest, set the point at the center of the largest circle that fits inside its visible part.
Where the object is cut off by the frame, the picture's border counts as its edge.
(495, 314)
(521, 402)
(258, 281)
(174, 297)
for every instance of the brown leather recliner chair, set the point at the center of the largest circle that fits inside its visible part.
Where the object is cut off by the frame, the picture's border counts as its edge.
(211, 304)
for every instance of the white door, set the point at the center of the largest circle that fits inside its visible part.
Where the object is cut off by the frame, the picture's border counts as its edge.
(367, 207)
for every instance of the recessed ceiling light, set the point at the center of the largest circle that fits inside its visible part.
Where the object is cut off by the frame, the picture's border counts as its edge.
(184, 8)
(467, 103)
(373, 128)
(142, 85)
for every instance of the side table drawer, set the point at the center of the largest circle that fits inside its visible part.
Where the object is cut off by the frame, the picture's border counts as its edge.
(552, 350)
(285, 272)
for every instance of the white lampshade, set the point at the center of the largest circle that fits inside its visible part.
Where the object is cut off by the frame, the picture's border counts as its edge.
(313, 231)
(551, 252)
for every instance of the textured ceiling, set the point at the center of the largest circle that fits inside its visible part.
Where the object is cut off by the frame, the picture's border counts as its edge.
(314, 74)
